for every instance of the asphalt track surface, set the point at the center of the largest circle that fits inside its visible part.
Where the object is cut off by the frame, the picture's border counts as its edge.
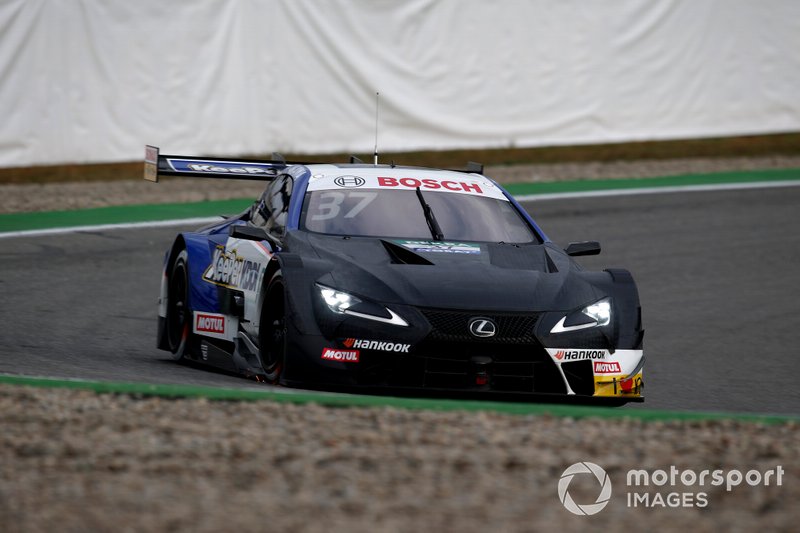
(717, 271)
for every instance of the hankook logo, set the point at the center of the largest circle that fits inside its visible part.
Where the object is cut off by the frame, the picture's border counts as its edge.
(349, 181)
(482, 327)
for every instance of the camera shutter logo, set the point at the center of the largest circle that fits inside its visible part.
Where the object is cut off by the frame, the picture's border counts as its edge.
(584, 468)
(349, 182)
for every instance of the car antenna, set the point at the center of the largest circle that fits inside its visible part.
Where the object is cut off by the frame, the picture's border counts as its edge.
(377, 106)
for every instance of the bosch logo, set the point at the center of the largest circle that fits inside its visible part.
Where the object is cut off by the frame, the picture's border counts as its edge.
(349, 181)
(482, 327)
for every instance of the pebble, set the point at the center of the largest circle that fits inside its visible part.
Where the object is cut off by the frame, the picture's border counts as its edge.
(70, 462)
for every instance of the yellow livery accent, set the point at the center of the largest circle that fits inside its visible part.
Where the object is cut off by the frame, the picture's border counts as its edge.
(619, 386)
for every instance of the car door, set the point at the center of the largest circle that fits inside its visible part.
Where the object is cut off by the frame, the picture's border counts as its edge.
(270, 213)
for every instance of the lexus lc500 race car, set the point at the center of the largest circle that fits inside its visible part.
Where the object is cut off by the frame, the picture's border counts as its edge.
(391, 277)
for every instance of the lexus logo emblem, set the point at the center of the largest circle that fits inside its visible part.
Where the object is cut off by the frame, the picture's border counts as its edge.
(482, 327)
(349, 181)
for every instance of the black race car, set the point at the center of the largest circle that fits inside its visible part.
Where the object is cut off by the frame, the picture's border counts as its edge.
(378, 276)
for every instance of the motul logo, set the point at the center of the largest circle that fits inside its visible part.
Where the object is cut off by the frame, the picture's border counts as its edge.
(606, 368)
(343, 356)
(209, 323)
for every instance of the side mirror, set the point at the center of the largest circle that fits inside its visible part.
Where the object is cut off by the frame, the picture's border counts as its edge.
(250, 233)
(583, 248)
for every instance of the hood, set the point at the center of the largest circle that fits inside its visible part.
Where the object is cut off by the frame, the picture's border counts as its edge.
(455, 275)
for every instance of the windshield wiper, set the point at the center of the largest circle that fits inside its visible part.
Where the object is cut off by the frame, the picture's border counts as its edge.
(430, 218)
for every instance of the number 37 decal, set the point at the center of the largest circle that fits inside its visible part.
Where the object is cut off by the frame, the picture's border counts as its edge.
(332, 203)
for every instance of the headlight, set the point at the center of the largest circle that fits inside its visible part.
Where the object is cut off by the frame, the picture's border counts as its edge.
(337, 301)
(599, 311)
(345, 303)
(599, 314)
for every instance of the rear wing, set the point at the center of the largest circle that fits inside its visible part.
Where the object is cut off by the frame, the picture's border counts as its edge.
(157, 165)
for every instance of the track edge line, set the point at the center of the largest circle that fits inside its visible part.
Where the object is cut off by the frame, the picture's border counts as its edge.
(331, 399)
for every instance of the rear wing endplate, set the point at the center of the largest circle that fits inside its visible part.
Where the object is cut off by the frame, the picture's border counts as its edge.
(157, 165)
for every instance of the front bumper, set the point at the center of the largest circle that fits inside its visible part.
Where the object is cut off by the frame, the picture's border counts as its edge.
(437, 353)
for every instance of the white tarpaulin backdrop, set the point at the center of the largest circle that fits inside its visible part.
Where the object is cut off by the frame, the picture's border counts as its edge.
(92, 81)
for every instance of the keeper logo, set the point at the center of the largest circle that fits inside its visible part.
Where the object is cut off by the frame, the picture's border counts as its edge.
(233, 170)
(228, 269)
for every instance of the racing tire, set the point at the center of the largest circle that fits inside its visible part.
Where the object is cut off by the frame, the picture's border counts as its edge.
(272, 329)
(179, 315)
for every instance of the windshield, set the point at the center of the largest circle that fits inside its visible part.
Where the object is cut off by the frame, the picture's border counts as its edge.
(398, 213)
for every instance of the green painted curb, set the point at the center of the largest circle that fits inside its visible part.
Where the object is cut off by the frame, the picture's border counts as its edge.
(357, 400)
(175, 211)
(686, 180)
(120, 214)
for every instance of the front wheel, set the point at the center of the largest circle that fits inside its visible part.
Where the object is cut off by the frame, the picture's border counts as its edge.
(272, 329)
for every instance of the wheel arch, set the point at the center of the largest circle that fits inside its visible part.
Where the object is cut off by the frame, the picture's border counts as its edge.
(177, 245)
(630, 333)
(202, 296)
(299, 274)
(169, 261)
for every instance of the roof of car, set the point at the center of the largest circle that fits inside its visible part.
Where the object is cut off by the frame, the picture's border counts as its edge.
(332, 177)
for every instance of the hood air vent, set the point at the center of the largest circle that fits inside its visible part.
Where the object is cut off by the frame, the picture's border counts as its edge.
(403, 256)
